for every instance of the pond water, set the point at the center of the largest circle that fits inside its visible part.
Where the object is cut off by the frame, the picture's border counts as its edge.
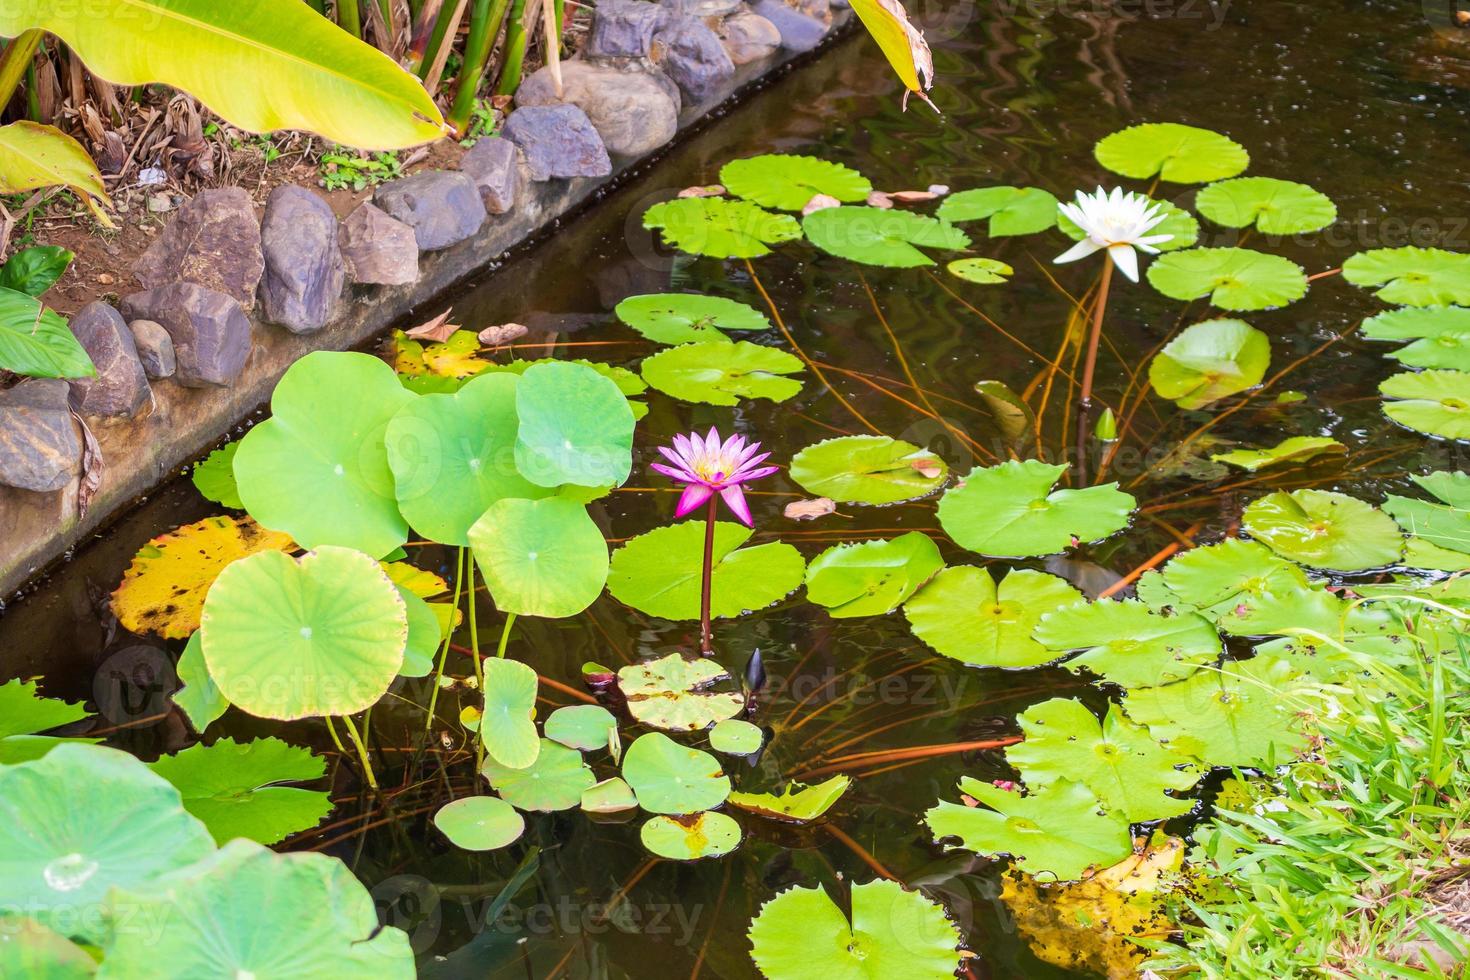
(1365, 100)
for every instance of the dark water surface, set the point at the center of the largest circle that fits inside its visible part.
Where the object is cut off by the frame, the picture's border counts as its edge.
(1362, 99)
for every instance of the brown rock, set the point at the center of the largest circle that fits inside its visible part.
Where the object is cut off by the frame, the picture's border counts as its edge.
(214, 242)
(211, 334)
(121, 386)
(39, 446)
(380, 250)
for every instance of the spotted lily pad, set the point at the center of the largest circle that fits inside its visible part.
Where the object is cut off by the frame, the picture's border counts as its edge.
(1412, 276)
(691, 837)
(1232, 278)
(1296, 449)
(506, 724)
(796, 803)
(585, 727)
(1128, 643)
(214, 477)
(1011, 210)
(662, 572)
(1324, 529)
(868, 470)
(1181, 227)
(1173, 152)
(874, 236)
(963, 614)
(1275, 207)
(673, 693)
(555, 781)
(722, 373)
(871, 578)
(540, 557)
(720, 228)
(787, 181)
(1010, 511)
(673, 778)
(480, 823)
(735, 737)
(1436, 403)
(982, 271)
(1209, 361)
(688, 318)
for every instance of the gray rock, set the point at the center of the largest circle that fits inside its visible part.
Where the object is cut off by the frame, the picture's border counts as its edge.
(624, 29)
(121, 387)
(799, 31)
(40, 449)
(210, 332)
(304, 271)
(380, 250)
(442, 207)
(630, 110)
(213, 241)
(749, 37)
(692, 54)
(493, 165)
(704, 8)
(558, 141)
(155, 349)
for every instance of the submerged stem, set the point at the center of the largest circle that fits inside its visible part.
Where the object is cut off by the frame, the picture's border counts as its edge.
(362, 753)
(706, 641)
(448, 639)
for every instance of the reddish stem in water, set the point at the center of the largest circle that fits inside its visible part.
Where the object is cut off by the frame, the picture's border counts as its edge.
(706, 641)
(1096, 337)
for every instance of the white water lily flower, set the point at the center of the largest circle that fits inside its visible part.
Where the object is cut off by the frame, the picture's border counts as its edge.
(1118, 222)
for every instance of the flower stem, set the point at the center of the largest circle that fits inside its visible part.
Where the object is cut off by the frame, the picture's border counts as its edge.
(706, 641)
(1084, 406)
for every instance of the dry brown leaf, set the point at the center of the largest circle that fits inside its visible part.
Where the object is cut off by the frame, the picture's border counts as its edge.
(912, 197)
(436, 330)
(927, 468)
(92, 468)
(503, 334)
(810, 510)
(708, 190)
(880, 199)
(820, 202)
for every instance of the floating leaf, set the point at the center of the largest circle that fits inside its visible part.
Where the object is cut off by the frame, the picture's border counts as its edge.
(1209, 361)
(1011, 210)
(1274, 207)
(673, 778)
(214, 477)
(722, 373)
(1013, 416)
(662, 572)
(1297, 449)
(1174, 152)
(1128, 643)
(796, 803)
(1418, 323)
(673, 693)
(575, 427)
(23, 711)
(555, 781)
(581, 726)
(1412, 276)
(540, 557)
(1445, 527)
(627, 382)
(1217, 578)
(317, 469)
(688, 318)
(230, 786)
(1436, 403)
(480, 823)
(506, 724)
(1010, 511)
(1057, 830)
(985, 272)
(964, 615)
(874, 236)
(894, 934)
(609, 796)
(688, 838)
(721, 228)
(199, 699)
(289, 639)
(1324, 530)
(1116, 759)
(1181, 226)
(425, 633)
(1233, 278)
(735, 737)
(871, 578)
(163, 590)
(787, 182)
(868, 470)
(32, 951)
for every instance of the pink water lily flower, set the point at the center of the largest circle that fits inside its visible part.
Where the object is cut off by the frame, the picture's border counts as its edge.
(707, 466)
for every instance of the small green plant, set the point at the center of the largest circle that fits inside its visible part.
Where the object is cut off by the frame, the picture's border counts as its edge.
(482, 123)
(340, 171)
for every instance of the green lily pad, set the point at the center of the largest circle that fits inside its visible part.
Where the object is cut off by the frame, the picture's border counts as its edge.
(688, 318)
(506, 725)
(214, 477)
(199, 699)
(1324, 529)
(609, 796)
(1217, 578)
(540, 557)
(1418, 323)
(984, 272)
(673, 693)
(1209, 361)
(796, 803)
(1446, 350)
(480, 823)
(1441, 525)
(1116, 759)
(894, 934)
(723, 373)
(1057, 831)
(1179, 224)
(673, 778)
(81, 820)
(1233, 278)
(1010, 412)
(575, 427)
(1436, 403)
(868, 470)
(318, 469)
(1297, 449)
(584, 727)
(963, 614)
(871, 578)
(1010, 511)
(1174, 152)
(1275, 207)
(1412, 276)
(787, 181)
(247, 912)
(1244, 715)
(691, 837)
(720, 228)
(555, 781)
(662, 572)
(452, 457)
(1128, 643)
(874, 236)
(31, 950)
(425, 632)
(735, 737)
(1011, 210)
(630, 384)
(231, 786)
(23, 711)
(288, 639)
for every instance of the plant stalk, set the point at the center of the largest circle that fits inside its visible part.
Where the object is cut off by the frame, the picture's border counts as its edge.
(320, 6)
(448, 637)
(479, 673)
(19, 54)
(706, 640)
(514, 55)
(362, 754)
(349, 18)
(485, 20)
(436, 55)
(1089, 368)
(510, 619)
